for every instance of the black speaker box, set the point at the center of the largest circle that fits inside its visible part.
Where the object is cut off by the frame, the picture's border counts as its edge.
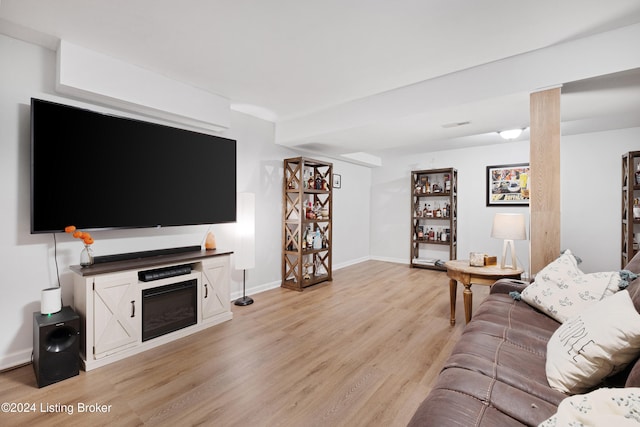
(56, 346)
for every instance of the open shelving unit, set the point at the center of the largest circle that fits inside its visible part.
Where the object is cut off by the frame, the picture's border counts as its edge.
(630, 191)
(434, 217)
(306, 222)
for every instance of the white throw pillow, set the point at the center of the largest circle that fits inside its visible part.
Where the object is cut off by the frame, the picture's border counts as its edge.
(561, 290)
(603, 407)
(597, 343)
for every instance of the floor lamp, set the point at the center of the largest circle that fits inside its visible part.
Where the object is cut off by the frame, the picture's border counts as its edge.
(245, 254)
(510, 227)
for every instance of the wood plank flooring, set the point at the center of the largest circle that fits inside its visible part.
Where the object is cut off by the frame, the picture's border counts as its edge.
(362, 350)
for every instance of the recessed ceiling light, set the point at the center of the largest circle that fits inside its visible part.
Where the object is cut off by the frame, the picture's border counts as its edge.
(511, 133)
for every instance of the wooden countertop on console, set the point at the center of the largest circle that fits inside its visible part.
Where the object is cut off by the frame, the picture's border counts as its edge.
(145, 262)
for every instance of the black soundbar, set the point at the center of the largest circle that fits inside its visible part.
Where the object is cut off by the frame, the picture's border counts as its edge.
(144, 254)
(161, 273)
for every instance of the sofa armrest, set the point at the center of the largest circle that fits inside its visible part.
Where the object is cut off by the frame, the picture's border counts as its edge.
(504, 286)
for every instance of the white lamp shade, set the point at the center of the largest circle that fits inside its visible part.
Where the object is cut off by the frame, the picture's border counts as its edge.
(245, 254)
(509, 226)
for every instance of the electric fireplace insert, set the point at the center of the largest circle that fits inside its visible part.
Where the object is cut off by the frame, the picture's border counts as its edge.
(168, 308)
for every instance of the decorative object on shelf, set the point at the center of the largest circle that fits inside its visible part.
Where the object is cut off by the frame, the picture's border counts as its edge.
(245, 253)
(306, 276)
(86, 255)
(510, 227)
(210, 241)
(476, 259)
(490, 260)
(508, 185)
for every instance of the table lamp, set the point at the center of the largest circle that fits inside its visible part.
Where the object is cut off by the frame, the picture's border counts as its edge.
(510, 227)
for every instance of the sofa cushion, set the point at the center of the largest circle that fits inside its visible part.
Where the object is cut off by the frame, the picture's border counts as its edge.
(466, 398)
(594, 345)
(495, 375)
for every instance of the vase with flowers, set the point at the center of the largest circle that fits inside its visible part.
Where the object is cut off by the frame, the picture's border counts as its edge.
(86, 256)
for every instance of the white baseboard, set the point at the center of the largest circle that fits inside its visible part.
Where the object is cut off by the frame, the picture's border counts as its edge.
(351, 262)
(16, 359)
(256, 289)
(387, 259)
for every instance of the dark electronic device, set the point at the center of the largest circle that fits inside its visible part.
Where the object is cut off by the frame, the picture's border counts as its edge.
(99, 171)
(56, 346)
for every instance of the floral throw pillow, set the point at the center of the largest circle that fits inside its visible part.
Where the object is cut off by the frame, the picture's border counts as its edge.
(561, 290)
(603, 407)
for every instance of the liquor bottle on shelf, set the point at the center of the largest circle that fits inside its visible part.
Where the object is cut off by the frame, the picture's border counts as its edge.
(317, 240)
(304, 239)
(309, 238)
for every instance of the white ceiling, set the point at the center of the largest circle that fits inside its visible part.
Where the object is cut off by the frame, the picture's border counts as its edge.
(298, 62)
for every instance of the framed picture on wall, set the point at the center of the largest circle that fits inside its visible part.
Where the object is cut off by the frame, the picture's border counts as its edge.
(337, 180)
(508, 185)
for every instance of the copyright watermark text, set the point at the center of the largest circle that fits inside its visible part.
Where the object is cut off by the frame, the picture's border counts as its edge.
(55, 408)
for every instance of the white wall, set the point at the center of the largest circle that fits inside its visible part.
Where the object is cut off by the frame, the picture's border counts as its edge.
(27, 261)
(591, 198)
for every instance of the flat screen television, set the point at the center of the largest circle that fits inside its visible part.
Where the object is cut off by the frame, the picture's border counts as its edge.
(100, 171)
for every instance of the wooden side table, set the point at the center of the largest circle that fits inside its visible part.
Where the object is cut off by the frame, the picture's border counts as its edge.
(461, 271)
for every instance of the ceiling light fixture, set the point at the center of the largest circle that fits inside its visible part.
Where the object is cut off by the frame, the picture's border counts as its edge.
(511, 133)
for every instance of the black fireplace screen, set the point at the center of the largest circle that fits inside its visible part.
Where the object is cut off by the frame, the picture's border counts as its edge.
(168, 308)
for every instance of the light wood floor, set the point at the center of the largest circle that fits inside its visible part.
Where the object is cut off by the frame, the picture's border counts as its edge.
(362, 350)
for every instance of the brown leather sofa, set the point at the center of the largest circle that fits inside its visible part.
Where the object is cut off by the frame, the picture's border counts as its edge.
(495, 375)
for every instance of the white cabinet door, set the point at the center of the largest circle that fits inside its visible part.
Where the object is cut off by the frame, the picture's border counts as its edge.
(117, 313)
(214, 294)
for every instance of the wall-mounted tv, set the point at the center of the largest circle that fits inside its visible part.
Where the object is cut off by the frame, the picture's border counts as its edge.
(100, 171)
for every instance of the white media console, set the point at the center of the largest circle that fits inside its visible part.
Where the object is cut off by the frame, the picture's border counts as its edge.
(110, 299)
